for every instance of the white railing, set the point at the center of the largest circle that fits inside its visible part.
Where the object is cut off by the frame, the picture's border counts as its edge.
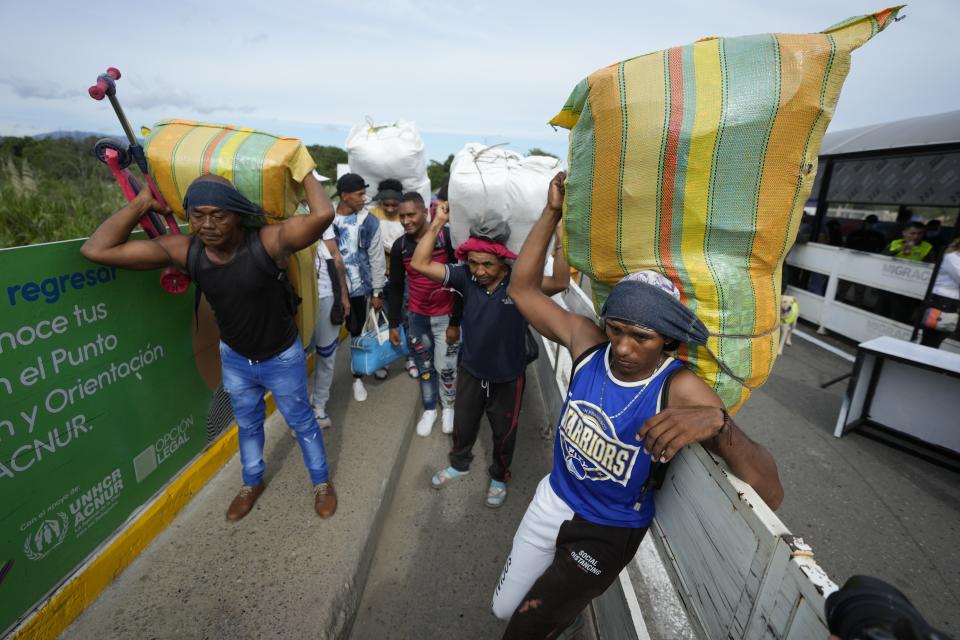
(737, 571)
(903, 277)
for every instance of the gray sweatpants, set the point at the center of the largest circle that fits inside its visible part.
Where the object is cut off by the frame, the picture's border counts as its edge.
(326, 336)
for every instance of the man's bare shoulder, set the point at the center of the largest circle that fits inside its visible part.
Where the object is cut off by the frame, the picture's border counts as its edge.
(176, 245)
(687, 388)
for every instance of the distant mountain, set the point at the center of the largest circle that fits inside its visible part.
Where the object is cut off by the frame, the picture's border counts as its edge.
(74, 134)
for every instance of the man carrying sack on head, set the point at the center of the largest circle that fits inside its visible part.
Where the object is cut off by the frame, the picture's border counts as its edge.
(493, 355)
(228, 256)
(630, 405)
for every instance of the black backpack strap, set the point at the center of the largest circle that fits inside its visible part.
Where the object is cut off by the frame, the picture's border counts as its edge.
(261, 258)
(658, 470)
(268, 266)
(665, 389)
(193, 257)
(193, 267)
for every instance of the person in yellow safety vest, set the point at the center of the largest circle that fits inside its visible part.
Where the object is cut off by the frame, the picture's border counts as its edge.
(912, 246)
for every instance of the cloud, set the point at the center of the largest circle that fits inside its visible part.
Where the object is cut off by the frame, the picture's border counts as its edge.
(161, 94)
(256, 38)
(37, 89)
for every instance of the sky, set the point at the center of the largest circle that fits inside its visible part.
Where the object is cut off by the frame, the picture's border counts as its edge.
(464, 71)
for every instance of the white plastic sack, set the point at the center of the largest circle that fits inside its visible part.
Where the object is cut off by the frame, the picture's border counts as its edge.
(378, 152)
(491, 184)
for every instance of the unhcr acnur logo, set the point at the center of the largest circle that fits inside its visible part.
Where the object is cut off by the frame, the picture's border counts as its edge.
(49, 535)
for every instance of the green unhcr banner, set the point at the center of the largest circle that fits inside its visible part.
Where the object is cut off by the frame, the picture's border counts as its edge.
(101, 404)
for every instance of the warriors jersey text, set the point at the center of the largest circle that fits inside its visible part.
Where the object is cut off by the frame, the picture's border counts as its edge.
(599, 466)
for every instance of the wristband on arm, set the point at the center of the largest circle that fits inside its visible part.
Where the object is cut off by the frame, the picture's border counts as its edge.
(727, 427)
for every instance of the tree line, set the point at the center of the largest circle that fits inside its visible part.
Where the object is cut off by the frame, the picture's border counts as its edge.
(55, 189)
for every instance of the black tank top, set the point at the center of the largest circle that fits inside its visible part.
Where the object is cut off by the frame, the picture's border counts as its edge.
(252, 309)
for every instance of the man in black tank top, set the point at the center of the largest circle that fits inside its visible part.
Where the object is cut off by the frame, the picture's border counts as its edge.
(238, 264)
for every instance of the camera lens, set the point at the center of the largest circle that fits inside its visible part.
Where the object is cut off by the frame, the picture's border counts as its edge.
(870, 609)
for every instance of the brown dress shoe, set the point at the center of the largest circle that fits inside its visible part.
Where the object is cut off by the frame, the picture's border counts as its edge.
(244, 501)
(325, 499)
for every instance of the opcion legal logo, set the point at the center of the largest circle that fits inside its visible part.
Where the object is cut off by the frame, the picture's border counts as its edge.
(48, 535)
(165, 446)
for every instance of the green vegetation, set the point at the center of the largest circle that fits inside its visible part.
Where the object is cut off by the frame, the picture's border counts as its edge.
(537, 151)
(327, 159)
(52, 189)
(438, 172)
(55, 189)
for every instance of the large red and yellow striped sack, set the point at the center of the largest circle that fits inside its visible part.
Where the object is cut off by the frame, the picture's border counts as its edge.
(267, 169)
(696, 161)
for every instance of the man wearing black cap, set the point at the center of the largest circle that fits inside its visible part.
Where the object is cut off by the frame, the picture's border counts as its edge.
(235, 261)
(360, 244)
(630, 406)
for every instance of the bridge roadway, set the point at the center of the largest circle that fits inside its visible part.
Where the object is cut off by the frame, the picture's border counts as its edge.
(433, 557)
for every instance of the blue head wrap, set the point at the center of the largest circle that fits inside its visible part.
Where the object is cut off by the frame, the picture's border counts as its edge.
(213, 193)
(648, 299)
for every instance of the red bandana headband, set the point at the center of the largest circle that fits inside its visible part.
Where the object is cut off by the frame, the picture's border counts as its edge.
(485, 246)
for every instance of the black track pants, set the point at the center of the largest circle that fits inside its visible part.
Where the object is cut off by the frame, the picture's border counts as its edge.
(501, 402)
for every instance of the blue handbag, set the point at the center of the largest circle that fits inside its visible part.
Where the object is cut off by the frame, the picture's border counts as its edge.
(372, 349)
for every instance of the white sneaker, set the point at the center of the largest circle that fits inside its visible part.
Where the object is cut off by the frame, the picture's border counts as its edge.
(425, 426)
(447, 420)
(359, 391)
(381, 373)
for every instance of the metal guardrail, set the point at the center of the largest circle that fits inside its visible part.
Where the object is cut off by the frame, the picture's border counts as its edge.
(736, 569)
(895, 275)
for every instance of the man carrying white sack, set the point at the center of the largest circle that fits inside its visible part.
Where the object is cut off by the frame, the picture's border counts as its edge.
(630, 406)
(493, 355)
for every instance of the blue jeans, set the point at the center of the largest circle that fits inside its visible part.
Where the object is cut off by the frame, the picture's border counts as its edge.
(285, 375)
(427, 341)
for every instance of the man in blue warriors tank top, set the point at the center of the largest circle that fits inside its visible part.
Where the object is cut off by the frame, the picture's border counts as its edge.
(630, 405)
(236, 262)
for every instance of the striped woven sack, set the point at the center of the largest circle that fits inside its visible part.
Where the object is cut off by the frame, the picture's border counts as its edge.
(696, 161)
(267, 169)
(303, 277)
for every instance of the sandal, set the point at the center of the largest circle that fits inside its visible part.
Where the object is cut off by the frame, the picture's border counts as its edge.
(496, 494)
(444, 476)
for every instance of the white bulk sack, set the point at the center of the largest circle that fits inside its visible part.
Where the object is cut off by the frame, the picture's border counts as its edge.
(378, 152)
(492, 184)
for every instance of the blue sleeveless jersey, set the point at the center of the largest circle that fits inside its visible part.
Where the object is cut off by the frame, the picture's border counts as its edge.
(598, 465)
